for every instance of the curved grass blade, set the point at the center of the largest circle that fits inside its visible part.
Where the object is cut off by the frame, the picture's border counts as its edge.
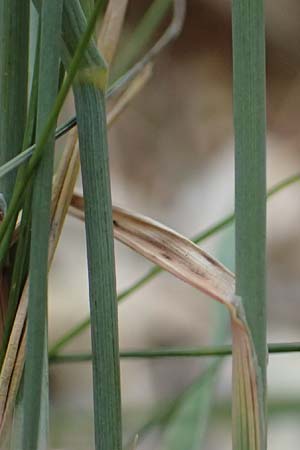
(186, 261)
(111, 28)
(171, 33)
(186, 426)
(77, 211)
(141, 35)
(165, 414)
(175, 254)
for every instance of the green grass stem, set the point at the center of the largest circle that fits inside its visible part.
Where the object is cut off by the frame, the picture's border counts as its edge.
(249, 100)
(14, 47)
(175, 352)
(89, 93)
(36, 382)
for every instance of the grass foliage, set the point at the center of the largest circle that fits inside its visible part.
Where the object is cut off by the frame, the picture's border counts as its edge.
(77, 47)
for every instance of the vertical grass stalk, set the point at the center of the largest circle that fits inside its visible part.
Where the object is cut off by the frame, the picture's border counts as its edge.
(250, 169)
(89, 91)
(36, 368)
(14, 42)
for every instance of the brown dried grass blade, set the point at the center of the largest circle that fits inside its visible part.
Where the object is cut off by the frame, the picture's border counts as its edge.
(181, 257)
(175, 253)
(111, 29)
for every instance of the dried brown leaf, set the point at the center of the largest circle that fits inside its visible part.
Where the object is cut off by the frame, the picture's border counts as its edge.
(111, 29)
(181, 257)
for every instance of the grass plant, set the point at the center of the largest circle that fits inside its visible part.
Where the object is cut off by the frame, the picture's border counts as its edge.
(77, 47)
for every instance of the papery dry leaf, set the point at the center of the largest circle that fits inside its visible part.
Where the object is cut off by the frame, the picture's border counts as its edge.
(181, 257)
(111, 28)
(174, 253)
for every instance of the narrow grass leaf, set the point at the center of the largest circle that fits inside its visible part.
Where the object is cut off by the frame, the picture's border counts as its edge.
(14, 44)
(186, 426)
(111, 28)
(77, 211)
(63, 188)
(171, 33)
(87, 7)
(36, 369)
(133, 89)
(167, 412)
(21, 258)
(64, 183)
(141, 35)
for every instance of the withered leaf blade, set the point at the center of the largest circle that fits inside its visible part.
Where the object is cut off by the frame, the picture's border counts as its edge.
(175, 253)
(181, 257)
(111, 28)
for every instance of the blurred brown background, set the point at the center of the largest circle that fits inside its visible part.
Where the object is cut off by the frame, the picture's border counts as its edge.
(171, 157)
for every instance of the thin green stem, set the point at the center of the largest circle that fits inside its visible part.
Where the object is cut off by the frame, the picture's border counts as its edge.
(154, 271)
(175, 352)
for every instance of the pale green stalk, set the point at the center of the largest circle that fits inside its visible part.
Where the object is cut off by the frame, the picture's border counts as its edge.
(89, 92)
(250, 188)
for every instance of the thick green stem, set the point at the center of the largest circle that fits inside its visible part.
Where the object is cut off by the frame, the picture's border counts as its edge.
(250, 169)
(89, 93)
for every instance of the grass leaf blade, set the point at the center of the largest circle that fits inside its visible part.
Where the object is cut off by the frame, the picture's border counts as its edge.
(35, 431)
(14, 47)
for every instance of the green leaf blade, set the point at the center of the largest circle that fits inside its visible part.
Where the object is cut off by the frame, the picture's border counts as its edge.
(35, 425)
(14, 47)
